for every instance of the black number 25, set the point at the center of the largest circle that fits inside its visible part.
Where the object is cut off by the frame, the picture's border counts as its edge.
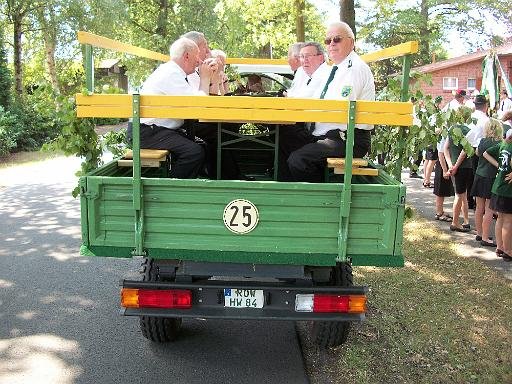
(245, 213)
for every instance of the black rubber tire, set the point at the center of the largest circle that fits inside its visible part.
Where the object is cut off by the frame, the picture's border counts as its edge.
(327, 334)
(157, 329)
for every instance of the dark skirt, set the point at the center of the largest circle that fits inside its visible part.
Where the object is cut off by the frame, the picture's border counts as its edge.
(463, 180)
(442, 187)
(501, 204)
(482, 187)
(431, 153)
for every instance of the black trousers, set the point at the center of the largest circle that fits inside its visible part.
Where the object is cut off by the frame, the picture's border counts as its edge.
(307, 153)
(189, 158)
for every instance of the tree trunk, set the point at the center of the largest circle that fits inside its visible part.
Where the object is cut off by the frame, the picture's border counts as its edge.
(348, 13)
(49, 50)
(18, 68)
(163, 14)
(424, 51)
(299, 19)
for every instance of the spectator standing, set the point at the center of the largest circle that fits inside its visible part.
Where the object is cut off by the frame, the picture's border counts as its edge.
(443, 186)
(475, 134)
(460, 169)
(456, 102)
(470, 102)
(483, 181)
(507, 121)
(501, 199)
(505, 104)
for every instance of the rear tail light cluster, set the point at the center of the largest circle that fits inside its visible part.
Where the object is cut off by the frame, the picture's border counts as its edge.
(156, 298)
(323, 303)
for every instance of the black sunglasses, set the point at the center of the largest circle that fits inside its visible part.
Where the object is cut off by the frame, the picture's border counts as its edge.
(336, 40)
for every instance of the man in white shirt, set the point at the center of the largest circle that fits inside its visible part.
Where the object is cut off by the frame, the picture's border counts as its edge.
(476, 131)
(312, 59)
(456, 102)
(505, 104)
(350, 78)
(171, 79)
(470, 103)
(204, 53)
(299, 76)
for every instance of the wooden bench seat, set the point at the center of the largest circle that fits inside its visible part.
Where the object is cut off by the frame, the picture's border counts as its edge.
(358, 166)
(151, 158)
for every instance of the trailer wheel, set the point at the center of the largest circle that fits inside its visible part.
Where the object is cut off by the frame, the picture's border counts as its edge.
(157, 329)
(328, 334)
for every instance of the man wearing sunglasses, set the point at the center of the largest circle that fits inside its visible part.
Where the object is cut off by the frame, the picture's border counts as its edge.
(350, 78)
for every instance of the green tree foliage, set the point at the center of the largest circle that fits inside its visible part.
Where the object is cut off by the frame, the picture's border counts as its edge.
(390, 22)
(5, 75)
(430, 124)
(249, 26)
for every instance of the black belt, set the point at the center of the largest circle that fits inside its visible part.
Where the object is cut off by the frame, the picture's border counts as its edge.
(154, 126)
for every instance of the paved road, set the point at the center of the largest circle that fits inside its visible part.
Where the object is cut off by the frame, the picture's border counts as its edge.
(422, 199)
(59, 319)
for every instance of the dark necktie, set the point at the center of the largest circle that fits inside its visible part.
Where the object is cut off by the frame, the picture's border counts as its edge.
(186, 79)
(309, 81)
(331, 76)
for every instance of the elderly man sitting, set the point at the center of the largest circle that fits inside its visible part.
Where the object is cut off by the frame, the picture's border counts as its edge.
(350, 78)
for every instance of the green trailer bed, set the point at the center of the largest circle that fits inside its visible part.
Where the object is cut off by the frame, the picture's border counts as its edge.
(299, 223)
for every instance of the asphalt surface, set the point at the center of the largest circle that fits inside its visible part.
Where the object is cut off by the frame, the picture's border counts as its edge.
(423, 200)
(59, 314)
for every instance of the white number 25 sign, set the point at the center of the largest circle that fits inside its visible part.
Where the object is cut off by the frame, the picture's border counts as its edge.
(241, 216)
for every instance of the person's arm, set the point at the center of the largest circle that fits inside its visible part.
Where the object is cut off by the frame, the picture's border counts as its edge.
(459, 161)
(490, 159)
(447, 156)
(444, 166)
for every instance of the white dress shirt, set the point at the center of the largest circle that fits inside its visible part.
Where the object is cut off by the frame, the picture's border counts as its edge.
(311, 85)
(352, 81)
(454, 104)
(476, 130)
(299, 79)
(168, 79)
(194, 80)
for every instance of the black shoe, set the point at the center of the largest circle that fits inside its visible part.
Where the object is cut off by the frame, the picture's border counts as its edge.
(506, 257)
(478, 238)
(414, 175)
(487, 243)
(466, 226)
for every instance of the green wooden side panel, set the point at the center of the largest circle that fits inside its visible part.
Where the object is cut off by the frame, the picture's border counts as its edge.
(298, 222)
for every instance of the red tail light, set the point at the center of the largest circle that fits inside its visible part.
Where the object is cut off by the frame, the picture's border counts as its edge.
(154, 298)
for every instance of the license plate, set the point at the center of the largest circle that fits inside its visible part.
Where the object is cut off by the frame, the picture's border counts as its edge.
(243, 298)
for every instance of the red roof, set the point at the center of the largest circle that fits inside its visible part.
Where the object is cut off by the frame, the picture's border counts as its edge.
(505, 49)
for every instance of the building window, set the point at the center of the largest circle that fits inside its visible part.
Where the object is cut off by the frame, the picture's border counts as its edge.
(450, 83)
(471, 84)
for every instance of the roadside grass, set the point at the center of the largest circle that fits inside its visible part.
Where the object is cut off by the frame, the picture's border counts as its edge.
(443, 318)
(24, 158)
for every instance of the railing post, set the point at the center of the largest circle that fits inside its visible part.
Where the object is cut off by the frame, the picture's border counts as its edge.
(404, 96)
(138, 197)
(346, 199)
(89, 68)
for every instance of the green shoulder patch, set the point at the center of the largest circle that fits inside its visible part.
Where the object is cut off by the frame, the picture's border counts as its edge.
(346, 90)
